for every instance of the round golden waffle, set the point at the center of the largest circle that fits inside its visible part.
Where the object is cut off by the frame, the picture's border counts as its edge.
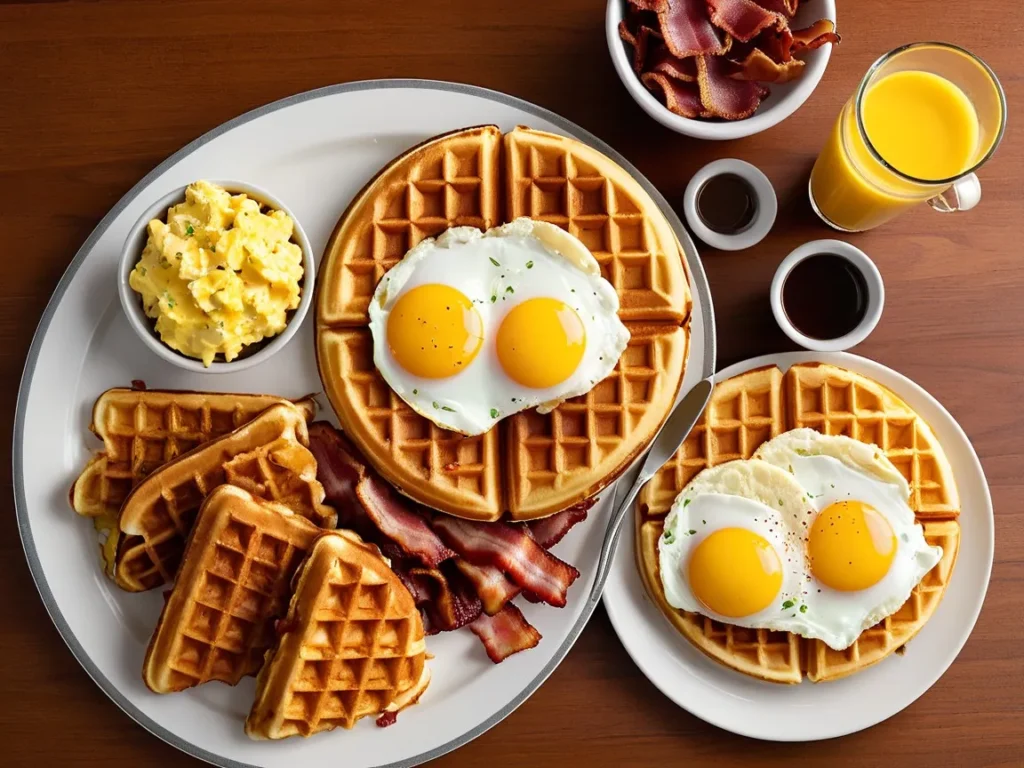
(746, 411)
(530, 465)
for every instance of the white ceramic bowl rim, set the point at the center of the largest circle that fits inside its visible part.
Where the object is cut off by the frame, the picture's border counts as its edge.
(773, 111)
(872, 279)
(143, 325)
(764, 215)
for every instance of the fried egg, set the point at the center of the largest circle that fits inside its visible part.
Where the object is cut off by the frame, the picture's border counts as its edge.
(864, 551)
(475, 326)
(730, 549)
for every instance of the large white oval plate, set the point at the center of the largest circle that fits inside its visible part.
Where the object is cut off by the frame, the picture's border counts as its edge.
(314, 151)
(807, 712)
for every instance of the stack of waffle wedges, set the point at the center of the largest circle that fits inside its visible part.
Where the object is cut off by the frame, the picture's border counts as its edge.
(142, 430)
(336, 634)
(217, 495)
(530, 465)
(746, 411)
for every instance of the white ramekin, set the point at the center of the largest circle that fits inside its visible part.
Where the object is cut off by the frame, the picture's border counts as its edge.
(143, 325)
(764, 215)
(872, 279)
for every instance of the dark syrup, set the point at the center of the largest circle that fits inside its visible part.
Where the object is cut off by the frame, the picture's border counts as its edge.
(726, 204)
(825, 296)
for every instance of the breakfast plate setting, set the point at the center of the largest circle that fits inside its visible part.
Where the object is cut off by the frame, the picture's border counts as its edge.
(345, 418)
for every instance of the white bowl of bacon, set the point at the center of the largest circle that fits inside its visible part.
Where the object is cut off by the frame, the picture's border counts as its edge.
(720, 69)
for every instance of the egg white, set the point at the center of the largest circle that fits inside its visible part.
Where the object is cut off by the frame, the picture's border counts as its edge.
(832, 469)
(739, 494)
(497, 270)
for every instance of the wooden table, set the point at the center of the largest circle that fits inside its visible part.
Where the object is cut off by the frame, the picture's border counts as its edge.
(94, 94)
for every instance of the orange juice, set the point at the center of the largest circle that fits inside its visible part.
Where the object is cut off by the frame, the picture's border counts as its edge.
(920, 124)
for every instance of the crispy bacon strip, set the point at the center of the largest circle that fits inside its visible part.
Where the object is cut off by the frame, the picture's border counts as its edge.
(661, 60)
(446, 601)
(641, 42)
(820, 32)
(743, 19)
(399, 522)
(721, 95)
(649, 5)
(680, 97)
(339, 465)
(758, 66)
(511, 549)
(784, 7)
(505, 633)
(688, 30)
(493, 587)
(550, 530)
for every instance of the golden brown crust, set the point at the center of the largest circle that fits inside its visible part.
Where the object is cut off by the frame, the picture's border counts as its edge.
(751, 408)
(351, 644)
(234, 581)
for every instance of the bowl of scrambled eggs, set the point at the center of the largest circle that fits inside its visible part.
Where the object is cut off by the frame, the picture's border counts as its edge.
(216, 277)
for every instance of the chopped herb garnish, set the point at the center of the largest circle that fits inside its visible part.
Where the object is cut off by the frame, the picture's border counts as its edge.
(494, 413)
(415, 391)
(803, 608)
(529, 265)
(164, 262)
(703, 522)
(788, 604)
(446, 408)
(142, 270)
(802, 452)
(493, 298)
(690, 532)
(781, 502)
(494, 261)
(686, 502)
(669, 537)
(188, 230)
(510, 289)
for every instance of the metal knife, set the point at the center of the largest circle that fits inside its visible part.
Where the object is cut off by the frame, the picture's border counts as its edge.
(677, 426)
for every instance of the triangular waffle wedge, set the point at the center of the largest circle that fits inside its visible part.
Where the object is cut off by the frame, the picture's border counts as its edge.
(142, 430)
(268, 457)
(234, 581)
(351, 645)
(552, 461)
(746, 411)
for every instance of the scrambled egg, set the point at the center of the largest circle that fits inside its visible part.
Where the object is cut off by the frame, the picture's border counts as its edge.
(220, 274)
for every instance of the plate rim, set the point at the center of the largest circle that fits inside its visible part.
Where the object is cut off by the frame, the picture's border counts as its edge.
(698, 282)
(852, 361)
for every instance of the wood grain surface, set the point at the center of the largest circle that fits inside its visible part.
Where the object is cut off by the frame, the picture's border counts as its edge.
(93, 94)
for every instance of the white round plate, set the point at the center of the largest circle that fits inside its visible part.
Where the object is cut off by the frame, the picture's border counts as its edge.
(314, 151)
(810, 711)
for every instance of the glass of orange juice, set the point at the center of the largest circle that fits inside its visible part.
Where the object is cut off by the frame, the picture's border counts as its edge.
(924, 118)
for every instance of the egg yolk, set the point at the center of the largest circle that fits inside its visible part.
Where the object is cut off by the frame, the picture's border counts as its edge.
(735, 572)
(434, 331)
(851, 546)
(541, 342)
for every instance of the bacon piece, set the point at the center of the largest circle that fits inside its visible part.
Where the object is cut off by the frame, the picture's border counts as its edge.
(661, 60)
(721, 95)
(339, 466)
(551, 530)
(820, 32)
(743, 19)
(649, 5)
(505, 633)
(680, 97)
(784, 7)
(511, 549)
(387, 719)
(641, 42)
(688, 30)
(446, 601)
(758, 66)
(493, 587)
(395, 519)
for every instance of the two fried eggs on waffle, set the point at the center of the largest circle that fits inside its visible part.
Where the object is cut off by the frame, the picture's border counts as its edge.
(473, 327)
(814, 535)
